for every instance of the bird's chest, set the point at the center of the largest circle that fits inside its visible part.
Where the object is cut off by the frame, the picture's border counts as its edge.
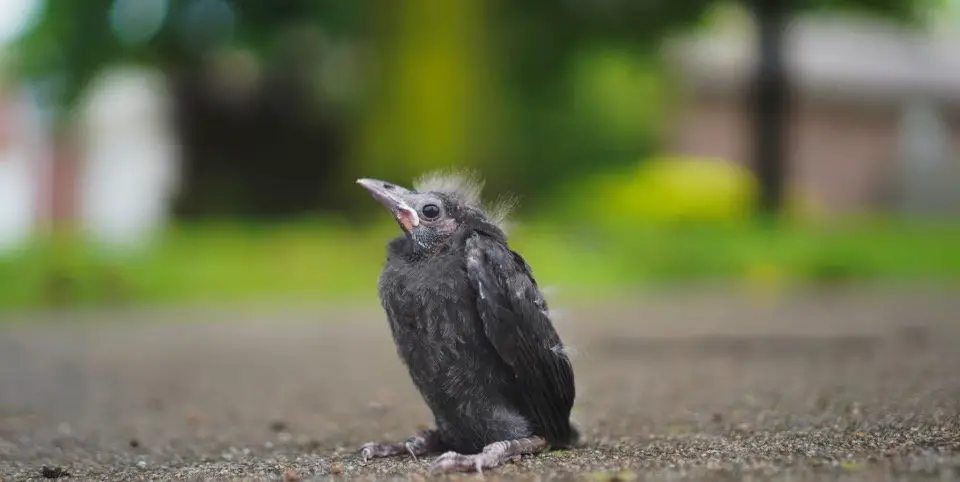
(432, 314)
(420, 295)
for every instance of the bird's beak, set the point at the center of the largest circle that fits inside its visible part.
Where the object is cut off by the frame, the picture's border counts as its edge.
(393, 197)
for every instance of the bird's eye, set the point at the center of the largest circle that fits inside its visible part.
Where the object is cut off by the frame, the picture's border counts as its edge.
(431, 211)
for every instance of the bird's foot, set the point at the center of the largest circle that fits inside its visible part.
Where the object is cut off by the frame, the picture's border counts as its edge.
(417, 445)
(492, 455)
(373, 450)
(421, 444)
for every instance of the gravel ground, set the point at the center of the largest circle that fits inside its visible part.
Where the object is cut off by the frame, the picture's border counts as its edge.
(856, 385)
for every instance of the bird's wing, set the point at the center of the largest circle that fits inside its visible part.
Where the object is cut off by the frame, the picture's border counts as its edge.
(517, 324)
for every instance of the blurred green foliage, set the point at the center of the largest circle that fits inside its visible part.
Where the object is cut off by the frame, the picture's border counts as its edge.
(432, 101)
(669, 191)
(72, 41)
(562, 102)
(535, 93)
(619, 93)
(316, 261)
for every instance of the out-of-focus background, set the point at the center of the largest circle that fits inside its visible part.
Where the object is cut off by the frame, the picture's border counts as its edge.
(749, 215)
(205, 151)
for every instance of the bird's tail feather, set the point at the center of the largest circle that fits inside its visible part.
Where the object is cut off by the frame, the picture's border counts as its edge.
(573, 438)
(576, 435)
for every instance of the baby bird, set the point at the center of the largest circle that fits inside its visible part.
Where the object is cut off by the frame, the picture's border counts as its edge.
(473, 329)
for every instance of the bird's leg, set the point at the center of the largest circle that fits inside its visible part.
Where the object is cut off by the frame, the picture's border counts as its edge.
(491, 456)
(420, 444)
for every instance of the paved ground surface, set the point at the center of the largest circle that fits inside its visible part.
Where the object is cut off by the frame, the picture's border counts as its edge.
(852, 386)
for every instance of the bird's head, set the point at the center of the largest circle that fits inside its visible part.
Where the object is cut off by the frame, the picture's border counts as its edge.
(440, 206)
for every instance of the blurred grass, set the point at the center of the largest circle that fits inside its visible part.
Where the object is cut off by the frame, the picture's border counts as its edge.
(321, 260)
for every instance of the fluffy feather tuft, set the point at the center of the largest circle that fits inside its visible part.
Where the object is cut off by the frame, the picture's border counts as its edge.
(466, 186)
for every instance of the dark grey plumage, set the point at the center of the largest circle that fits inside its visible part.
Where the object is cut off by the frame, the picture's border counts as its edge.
(473, 329)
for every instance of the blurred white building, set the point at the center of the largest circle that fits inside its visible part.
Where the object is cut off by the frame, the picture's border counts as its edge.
(875, 122)
(24, 168)
(119, 184)
(24, 157)
(129, 157)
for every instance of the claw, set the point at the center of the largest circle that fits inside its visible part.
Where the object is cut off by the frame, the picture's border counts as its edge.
(456, 462)
(441, 464)
(417, 445)
(366, 451)
(372, 450)
(409, 447)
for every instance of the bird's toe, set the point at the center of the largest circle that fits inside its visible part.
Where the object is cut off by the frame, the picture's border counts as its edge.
(371, 450)
(454, 462)
(411, 449)
(366, 451)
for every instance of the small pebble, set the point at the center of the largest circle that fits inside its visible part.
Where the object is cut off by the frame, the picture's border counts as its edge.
(290, 475)
(53, 472)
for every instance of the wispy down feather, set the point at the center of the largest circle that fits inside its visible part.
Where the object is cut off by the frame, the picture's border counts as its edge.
(466, 186)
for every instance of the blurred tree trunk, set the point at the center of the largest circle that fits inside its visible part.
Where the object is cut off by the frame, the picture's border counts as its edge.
(430, 102)
(769, 104)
